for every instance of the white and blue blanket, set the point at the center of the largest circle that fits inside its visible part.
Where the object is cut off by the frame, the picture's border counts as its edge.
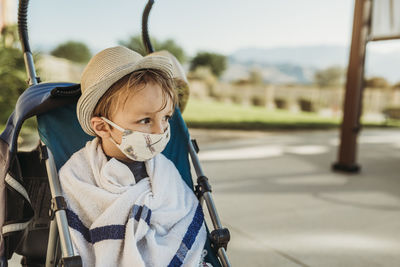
(116, 222)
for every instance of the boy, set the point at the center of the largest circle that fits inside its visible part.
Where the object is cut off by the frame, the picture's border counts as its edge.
(127, 204)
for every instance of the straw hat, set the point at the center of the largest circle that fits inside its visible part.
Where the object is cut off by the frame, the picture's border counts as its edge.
(179, 76)
(106, 68)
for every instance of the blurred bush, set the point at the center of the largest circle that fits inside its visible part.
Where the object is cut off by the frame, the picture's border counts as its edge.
(281, 103)
(392, 112)
(376, 82)
(12, 72)
(306, 105)
(258, 100)
(74, 51)
(255, 77)
(215, 62)
(329, 77)
(135, 43)
(205, 75)
(237, 99)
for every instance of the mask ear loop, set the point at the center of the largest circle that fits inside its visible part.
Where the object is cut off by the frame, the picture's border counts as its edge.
(116, 126)
(113, 124)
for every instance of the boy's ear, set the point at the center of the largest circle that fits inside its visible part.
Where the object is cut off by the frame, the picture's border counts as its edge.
(100, 127)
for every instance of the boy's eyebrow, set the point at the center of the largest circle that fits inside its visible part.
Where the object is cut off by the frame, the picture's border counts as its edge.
(151, 113)
(146, 112)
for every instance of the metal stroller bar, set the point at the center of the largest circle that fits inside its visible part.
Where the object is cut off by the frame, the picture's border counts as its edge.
(23, 36)
(61, 217)
(145, 33)
(220, 236)
(59, 226)
(51, 256)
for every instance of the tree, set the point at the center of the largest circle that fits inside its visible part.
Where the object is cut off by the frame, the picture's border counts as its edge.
(216, 62)
(135, 43)
(255, 77)
(9, 36)
(332, 76)
(12, 72)
(376, 82)
(396, 86)
(74, 51)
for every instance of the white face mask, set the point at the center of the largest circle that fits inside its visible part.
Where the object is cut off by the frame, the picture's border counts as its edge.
(140, 146)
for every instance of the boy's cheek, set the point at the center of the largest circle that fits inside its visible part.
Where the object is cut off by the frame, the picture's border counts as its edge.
(116, 135)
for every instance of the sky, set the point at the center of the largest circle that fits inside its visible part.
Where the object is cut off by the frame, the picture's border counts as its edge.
(221, 26)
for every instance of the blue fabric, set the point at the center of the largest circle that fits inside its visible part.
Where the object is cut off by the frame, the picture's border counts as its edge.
(60, 130)
(189, 238)
(97, 234)
(33, 101)
(141, 212)
(109, 231)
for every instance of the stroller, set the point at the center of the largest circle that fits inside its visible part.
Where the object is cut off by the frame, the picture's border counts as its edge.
(33, 217)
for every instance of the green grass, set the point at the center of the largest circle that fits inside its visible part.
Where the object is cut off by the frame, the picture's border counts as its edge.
(214, 115)
(202, 114)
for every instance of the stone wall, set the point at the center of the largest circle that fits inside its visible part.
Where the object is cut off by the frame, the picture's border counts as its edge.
(294, 97)
(54, 69)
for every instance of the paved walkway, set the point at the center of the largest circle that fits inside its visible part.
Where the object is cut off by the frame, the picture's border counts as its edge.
(285, 207)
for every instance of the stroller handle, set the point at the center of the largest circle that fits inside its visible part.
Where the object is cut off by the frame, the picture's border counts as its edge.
(23, 25)
(23, 37)
(145, 33)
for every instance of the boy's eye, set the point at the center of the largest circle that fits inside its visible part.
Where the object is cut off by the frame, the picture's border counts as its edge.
(168, 117)
(145, 121)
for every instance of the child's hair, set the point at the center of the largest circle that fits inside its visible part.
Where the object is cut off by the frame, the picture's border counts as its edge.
(130, 84)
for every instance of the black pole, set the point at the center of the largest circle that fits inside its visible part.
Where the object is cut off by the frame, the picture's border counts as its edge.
(145, 33)
(23, 38)
(23, 25)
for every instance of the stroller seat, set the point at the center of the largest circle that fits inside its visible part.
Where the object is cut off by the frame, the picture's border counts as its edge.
(27, 197)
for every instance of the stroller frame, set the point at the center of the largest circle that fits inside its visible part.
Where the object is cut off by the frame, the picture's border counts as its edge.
(59, 237)
(58, 227)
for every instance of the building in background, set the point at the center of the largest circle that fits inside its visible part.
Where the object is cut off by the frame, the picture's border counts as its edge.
(8, 14)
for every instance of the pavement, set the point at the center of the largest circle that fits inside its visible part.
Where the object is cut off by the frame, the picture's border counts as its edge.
(284, 206)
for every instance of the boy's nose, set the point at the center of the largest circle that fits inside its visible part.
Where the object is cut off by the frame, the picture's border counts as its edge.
(158, 128)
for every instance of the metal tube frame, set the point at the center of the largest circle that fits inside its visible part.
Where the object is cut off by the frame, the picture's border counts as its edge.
(207, 197)
(24, 39)
(30, 69)
(59, 232)
(51, 256)
(59, 225)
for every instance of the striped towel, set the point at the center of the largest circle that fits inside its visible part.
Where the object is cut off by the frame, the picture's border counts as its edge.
(115, 221)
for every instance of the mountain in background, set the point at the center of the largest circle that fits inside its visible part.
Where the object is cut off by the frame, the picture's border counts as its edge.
(299, 64)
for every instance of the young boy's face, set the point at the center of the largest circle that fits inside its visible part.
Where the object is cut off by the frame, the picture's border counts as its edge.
(141, 112)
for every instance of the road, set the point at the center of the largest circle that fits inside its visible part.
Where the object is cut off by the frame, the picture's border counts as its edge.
(285, 207)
